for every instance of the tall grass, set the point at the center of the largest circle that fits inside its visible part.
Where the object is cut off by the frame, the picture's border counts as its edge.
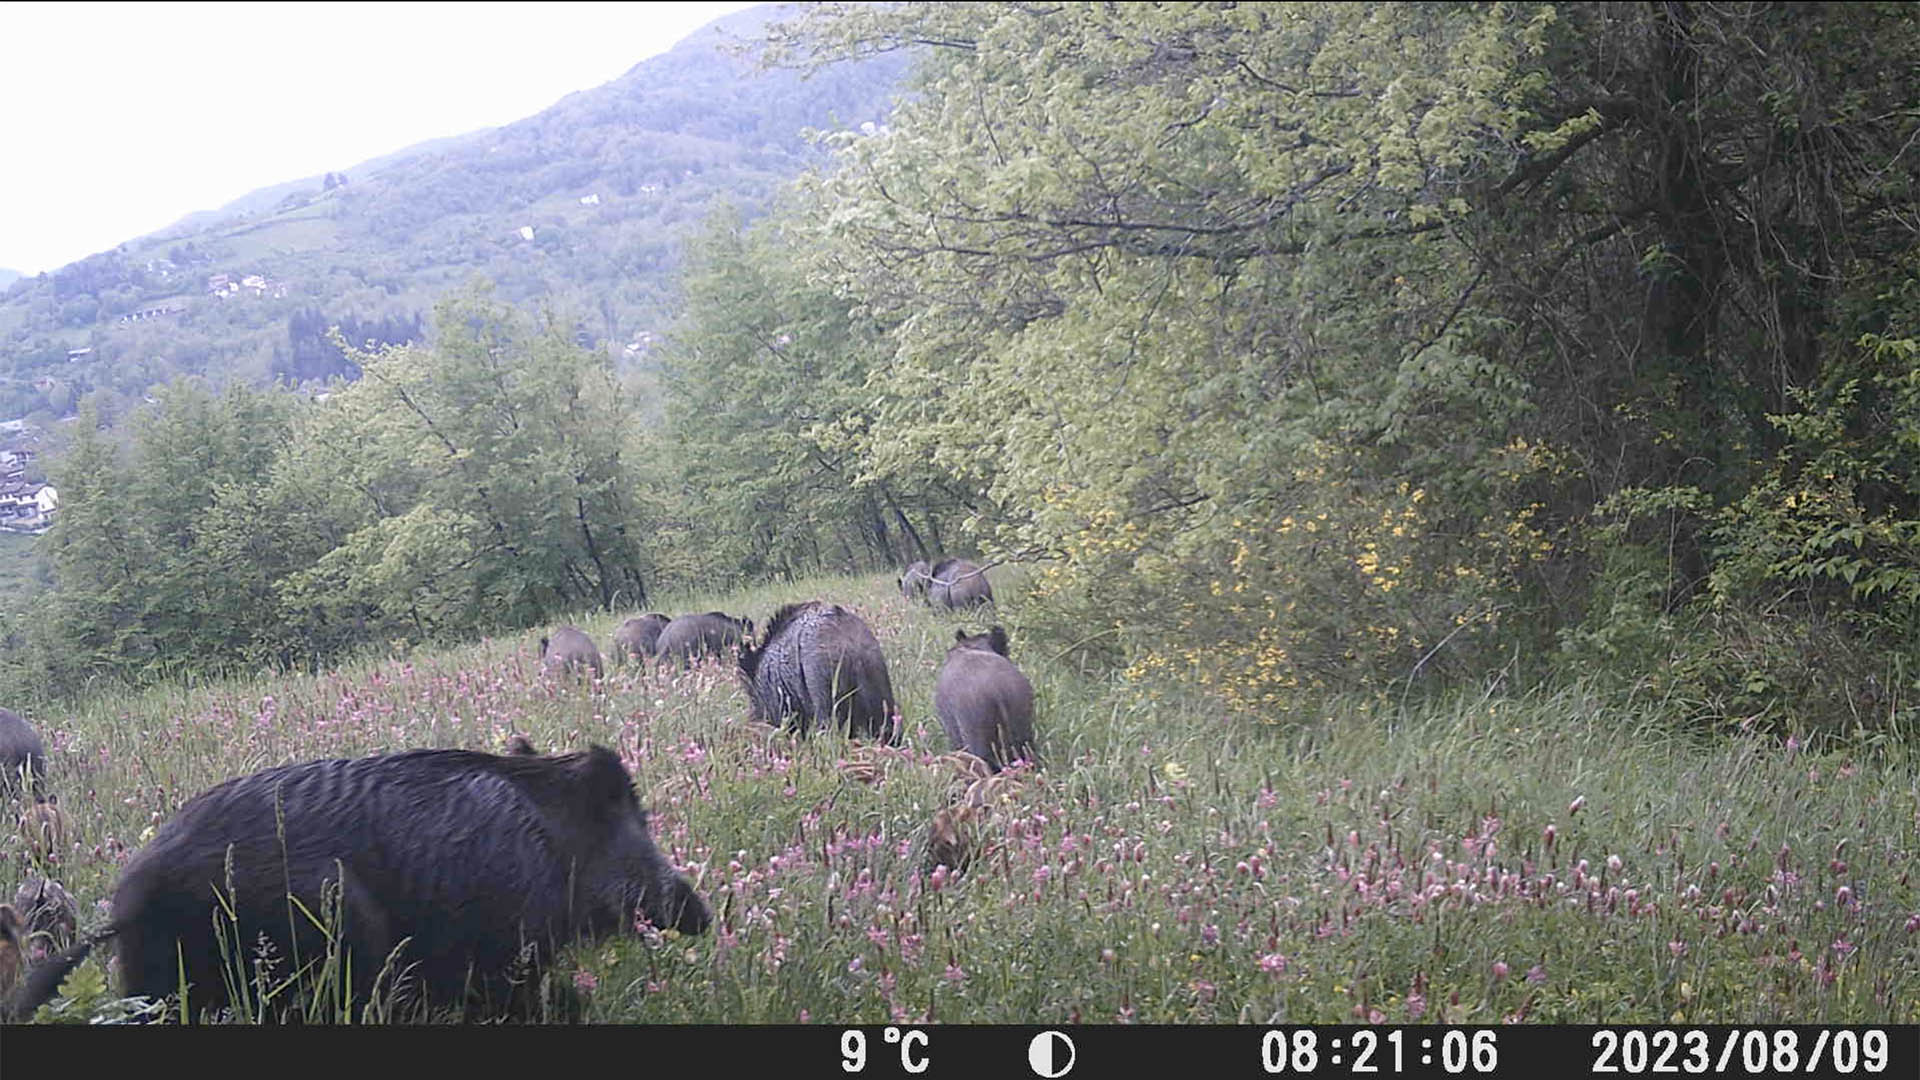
(1544, 856)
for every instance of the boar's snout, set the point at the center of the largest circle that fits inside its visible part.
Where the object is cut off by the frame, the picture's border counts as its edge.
(687, 911)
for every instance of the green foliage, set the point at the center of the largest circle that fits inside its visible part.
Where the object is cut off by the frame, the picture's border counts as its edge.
(1298, 347)
(470, 486)
(1837, 518)
(767, 403)
(1166, 285)
(1312, 345)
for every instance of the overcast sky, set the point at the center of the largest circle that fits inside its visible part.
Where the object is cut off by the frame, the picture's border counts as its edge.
(118, 119)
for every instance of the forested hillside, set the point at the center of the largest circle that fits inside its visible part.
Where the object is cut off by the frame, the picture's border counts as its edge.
(1298, 349)
(582, 206)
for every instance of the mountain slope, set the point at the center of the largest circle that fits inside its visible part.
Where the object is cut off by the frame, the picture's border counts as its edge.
(581, 206)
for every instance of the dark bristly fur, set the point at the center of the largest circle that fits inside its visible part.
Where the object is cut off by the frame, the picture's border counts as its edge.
(466, 856)
(820, 663)
(983, 701)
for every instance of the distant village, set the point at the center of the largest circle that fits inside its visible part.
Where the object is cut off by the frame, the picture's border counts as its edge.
(26, 506)
(231, 285)
(218, 285)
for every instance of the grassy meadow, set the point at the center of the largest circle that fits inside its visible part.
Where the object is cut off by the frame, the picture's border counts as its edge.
(1477, 859)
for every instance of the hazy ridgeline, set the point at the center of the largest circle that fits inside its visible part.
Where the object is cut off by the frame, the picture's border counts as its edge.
(610, 180)
(1450, 475)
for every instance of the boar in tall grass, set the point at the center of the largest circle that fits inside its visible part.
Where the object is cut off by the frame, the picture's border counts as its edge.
(48, 911)
(23, 757)
(43, 827)
(983, 701)
(570, 650)
(958, 583)
(817, 664)
(915, 581)
(444, 873)
(690, 637)
(636, 638)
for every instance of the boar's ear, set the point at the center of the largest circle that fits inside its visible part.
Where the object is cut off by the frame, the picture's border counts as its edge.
(521, 746)
(960, 635)
(11, 928)
(602, 782)
(997, 637)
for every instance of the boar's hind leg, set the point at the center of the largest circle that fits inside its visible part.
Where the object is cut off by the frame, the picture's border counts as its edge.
(369, 940)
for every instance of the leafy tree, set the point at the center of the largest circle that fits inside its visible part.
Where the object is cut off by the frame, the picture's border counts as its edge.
(100, 561)
(1305, 340)
(481, 482)
(767, 399)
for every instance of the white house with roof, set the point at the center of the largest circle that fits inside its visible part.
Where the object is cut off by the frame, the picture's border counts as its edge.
(26, 506)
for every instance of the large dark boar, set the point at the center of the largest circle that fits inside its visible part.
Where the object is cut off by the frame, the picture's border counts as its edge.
(690, 637)
(958, 583)
(820, 662)
(23, 759)
(570, 649)
(476, 862)
(636, 637)
(916, 579)
(983, 701)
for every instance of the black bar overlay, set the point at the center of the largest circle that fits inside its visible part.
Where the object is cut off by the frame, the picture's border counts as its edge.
(1167, 1052)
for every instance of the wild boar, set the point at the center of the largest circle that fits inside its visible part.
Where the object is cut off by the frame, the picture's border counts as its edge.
(47, 909)
(958, 583)
(820, 663)
(961, 831)
(570, 649)
(983, 701)
(23, 758)
(470, 865)
(915, 579)
(689, 637)
(44, 827)
(636, 637)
